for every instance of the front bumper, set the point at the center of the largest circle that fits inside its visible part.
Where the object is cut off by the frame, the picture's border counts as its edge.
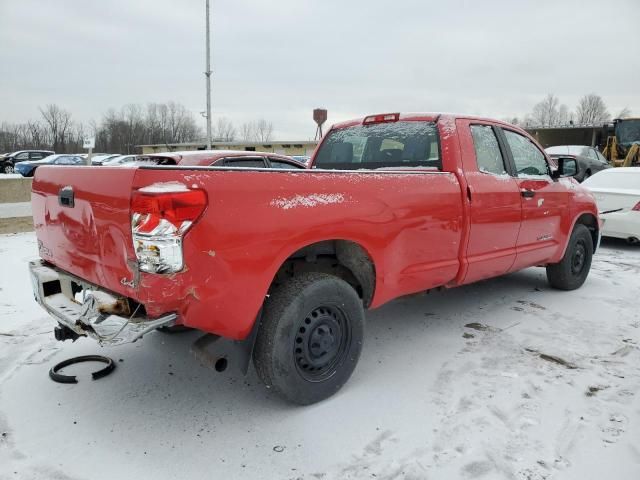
(99, 314)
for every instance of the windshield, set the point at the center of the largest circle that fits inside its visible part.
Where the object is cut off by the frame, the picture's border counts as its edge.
(397, 144)
(628, 131)
(566, 150)
(628, 180)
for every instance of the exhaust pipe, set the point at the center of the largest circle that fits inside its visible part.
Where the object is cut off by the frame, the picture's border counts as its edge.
(216, 359)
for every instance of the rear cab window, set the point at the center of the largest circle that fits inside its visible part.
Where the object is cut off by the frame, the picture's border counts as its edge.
(397, 144)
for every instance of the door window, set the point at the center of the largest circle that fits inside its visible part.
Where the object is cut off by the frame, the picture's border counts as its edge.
(22, 156)
(36, 155)
(526, 156)
(488, 153)
(592, 154)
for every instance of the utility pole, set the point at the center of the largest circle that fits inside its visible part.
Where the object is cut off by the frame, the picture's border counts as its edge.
(208, 75)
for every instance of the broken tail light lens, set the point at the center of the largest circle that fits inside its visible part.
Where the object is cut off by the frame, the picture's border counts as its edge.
(159, 221)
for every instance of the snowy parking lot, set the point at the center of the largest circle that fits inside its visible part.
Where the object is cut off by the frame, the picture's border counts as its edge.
(506, 378)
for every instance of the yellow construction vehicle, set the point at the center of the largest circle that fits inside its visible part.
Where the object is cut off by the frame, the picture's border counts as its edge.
(622, 148)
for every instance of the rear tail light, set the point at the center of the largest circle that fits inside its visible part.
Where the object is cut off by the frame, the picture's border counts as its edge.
(382, 118)
(159, 221)
(636, 208)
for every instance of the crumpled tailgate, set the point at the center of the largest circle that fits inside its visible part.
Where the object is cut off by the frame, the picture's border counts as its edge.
(82, 222)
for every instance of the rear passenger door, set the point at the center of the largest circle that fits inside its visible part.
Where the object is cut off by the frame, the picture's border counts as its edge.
(494, 200)
(545, 202)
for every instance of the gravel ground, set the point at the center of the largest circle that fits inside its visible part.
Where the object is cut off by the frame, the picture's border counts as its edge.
(542, 385)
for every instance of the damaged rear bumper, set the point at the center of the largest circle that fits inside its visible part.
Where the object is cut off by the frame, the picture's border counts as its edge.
(99, 314)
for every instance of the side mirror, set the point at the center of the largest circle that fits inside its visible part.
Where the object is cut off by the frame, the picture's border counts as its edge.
(567, 167)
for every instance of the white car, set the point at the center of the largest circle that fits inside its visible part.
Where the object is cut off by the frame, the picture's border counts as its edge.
(617, 192)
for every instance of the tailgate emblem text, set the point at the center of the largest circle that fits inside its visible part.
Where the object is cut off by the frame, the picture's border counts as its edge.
(127, 283)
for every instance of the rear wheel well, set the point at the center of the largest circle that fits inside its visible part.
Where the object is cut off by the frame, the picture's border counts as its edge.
(590, 221)
(342, 258)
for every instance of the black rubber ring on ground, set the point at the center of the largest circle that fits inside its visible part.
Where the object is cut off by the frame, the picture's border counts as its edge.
(60, 378)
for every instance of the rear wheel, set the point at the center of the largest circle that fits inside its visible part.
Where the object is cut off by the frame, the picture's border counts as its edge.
(310, 338)
(571, 272)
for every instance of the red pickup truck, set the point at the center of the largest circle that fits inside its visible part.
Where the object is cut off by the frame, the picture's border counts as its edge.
(283, 263)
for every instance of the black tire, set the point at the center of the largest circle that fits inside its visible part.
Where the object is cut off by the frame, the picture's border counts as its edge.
(310, 337)
(8, 168)
(571, 272)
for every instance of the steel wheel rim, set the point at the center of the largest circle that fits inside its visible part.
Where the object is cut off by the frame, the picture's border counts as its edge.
(579, 258)
(321, 342)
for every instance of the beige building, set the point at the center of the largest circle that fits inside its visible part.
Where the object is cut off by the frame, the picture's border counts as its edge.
(283, 148)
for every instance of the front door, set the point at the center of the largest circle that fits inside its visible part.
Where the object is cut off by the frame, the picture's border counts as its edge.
(494, 200)
(545, 202)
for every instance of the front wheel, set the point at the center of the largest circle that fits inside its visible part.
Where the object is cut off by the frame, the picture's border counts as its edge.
(8, 168)
(571, 272)
(310, 337)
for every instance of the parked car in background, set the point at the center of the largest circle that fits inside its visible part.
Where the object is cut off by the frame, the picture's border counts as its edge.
(28, 168)
(99, 159)
(617, 193)
(230, 158)
(218, 158)
(302, 159)
(9, 160)
(119, 160)
(590, 160)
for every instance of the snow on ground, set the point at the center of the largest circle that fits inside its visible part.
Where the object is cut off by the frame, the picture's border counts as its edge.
(430, 398)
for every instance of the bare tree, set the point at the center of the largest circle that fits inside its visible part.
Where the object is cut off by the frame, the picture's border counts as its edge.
(592, 110)
(564, 115)
(224, 130)
(545, 113)
(58, 121)
(119, 131)
(247, 131)
(624, 113)
(263, 130)
(548, 113)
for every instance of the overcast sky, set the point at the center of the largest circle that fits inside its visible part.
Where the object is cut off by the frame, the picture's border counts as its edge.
(280, 59)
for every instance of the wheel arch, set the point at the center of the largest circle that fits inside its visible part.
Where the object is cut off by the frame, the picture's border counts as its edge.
(343, 258)
(590, 221)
